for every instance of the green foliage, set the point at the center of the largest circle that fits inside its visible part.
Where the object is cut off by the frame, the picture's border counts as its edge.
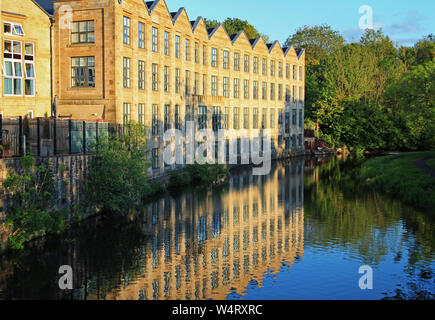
(235, 25)
(33, 207)
(196, 174)
(117, 177)
(398, 176)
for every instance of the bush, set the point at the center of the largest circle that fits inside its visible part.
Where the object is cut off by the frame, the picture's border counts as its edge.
(207, 173)
(33, 197)
(117, 177)
(178, 180)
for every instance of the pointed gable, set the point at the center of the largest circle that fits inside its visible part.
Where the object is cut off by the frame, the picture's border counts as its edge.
(181, 21)
(158, 8)
(241, 41)
(219, 34)
(259, 46)
(276, 50)
(290, 52)
(199, 29)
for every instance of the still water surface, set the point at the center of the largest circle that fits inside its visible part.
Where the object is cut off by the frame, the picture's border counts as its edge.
(301, 232)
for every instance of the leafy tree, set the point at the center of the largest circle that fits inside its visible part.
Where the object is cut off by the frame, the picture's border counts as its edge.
(235, 25)
(425, 49)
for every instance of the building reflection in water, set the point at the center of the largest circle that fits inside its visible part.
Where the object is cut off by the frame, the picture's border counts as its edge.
(208, 248)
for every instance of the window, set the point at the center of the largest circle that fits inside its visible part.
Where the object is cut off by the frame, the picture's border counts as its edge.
(294, 94)
(177, 46)
(155, 77)
(280, 69)
(126, 113)
(272, 68)
(246, 63)
(287, 70)
(177, 80)
(177, 117)
(216, 119)
(196, 52)
(141, 36)
(236, 118)
(204, 84)
(13, 72)
(255, 65)
(187, 83)
(255, 118)
(196, 84)
(236, 88)
(126, 30)
(166, 43)
(226, 59)
(30, 114)
(187, 49)
(246, 118)
(272, 118)
(236, 61)
(301, 74)
(226, 93)
(214, 57)
(301, 118)
(155, 158)
(226, 118)
(82, 32)
(280, 92)
(204, 55)
(294, 120)
(263, 119)
(301, 95)
(29, 68)
(126, 72)
(141, 113)
(202, 117)
(166, 79)
(287, 94)
(264, 67)
(246, 89)
(155, 120)
(83, 72)
(13, 29)
(155, 39)
(294, 72)
(141, 74)
(167, 121)
(272, 91)
(214, 85)
(255, 90)
(264, 91)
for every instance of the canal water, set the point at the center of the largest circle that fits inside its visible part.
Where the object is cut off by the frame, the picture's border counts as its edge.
(301, 232)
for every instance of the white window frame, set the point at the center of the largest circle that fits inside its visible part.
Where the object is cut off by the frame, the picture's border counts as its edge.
(31, 62)
(13, 61)
(13, 30)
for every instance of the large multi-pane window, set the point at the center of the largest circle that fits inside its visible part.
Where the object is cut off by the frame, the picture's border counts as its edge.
(255, 67)
(280, 92)
(246, 63)
(255, 118)
(141, 35)
(204, 55)
(126, 113)
(202, 117)
(272, 91)
(263, 118)
(204, 84)
(280, 69)
(29, 69)
(155, 158)
(177, 117)
(246, 118)
(155, 39)
(126, 72)
(155, 77)
(187, 83)
(301, 73)
(294, 94)
(246, 89)
(196, 52)
(264, 91)
(83, 72)
(301, 95)
(187, 49)
(287, 70)
(166, 79)
(255, 90)
(166, 40)
(236, 88)
(264, 67)
(294, 118)
(216, 118)
(272, 68)
(177, 46)
(272, 118)
(82, 32)
(214, 85)
(236, 61)
(196, 84)
(214, 57)
(141, 113)
(226, 90)
(287, 93)
(155, 120)
(226, 59)
(294, 72)
(226, 118)
(13, 72)
(126, 30)
(141, 74)
(236, 118)
(177, 80)
(167, 120)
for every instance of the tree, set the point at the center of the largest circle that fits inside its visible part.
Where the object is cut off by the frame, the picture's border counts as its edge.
(425, 49)
(235, 25)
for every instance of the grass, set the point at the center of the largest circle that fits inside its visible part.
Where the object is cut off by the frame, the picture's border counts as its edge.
(431, 163)
(398, 176)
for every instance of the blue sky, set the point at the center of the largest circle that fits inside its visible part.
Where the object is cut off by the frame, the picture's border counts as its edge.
(404, 21)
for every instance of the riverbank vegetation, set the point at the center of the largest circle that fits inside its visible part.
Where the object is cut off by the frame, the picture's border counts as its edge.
(398, 176)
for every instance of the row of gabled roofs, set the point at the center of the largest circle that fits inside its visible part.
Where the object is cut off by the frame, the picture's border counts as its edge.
(47, 5)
